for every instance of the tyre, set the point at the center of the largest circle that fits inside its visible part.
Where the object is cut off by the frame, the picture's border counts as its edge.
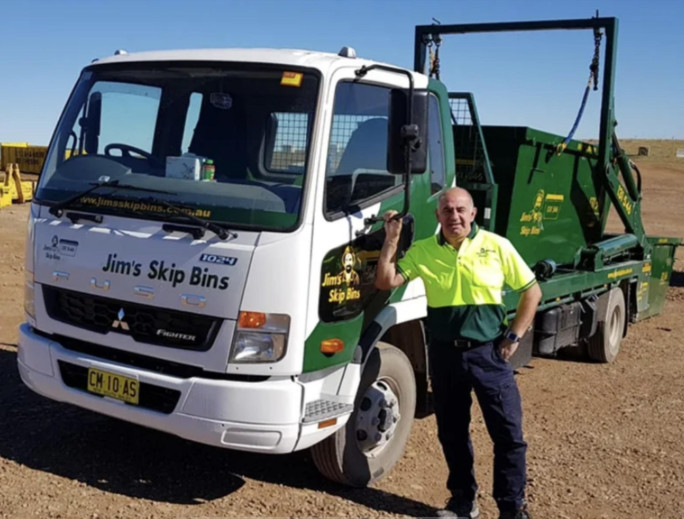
(373, 439)
(604, 345)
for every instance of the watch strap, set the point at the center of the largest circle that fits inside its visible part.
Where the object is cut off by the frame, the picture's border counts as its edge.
(511, 336)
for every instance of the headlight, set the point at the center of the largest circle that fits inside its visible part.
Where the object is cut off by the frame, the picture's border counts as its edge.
(260, 337)
(29, 299)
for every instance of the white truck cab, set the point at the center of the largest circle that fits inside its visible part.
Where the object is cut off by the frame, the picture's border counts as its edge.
(233, 305)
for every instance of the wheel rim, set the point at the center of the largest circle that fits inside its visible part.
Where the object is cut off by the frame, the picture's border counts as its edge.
(615, 328)
(377, 418)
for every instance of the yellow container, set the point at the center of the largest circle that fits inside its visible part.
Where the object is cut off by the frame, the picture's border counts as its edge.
(5, 195)
(30, 158)
(13, 188)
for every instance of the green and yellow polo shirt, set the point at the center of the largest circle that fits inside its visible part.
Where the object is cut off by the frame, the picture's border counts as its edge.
(464, 287)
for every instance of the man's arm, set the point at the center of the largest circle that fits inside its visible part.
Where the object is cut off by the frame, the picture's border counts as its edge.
(386, 275)
(524, 315)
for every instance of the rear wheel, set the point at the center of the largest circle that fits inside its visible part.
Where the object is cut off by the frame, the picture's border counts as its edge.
(604, 345)
(373, 439)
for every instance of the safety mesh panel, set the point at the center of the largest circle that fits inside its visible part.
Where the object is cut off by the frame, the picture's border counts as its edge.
(470, 157)
(342, 128)
(289, 154)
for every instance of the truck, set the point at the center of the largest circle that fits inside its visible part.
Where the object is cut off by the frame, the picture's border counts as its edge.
(202, 245)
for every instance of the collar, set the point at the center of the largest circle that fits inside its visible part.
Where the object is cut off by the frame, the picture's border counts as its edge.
(473, 231)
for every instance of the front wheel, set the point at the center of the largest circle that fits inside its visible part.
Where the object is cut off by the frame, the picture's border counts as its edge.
(373, 439)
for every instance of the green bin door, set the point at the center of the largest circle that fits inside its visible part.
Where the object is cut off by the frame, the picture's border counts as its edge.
(662, 262)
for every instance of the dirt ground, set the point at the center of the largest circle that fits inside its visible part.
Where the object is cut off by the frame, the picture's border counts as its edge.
(605, 441)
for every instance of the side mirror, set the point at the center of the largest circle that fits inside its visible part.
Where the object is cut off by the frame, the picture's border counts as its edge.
(407, 130)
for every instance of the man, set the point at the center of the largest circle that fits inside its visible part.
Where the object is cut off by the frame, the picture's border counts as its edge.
(464, 270)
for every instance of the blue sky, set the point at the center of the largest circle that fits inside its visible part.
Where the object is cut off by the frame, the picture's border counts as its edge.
(527, 79)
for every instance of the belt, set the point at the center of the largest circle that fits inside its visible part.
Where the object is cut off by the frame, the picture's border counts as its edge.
(461, 344)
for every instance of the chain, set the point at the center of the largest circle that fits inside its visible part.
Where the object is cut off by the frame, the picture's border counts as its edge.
(433, 41)
(434, 56)
(593, 78)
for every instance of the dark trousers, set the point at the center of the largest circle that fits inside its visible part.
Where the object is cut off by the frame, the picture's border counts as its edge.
(455, 373)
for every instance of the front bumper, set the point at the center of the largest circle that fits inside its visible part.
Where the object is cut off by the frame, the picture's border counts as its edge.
(263, 416)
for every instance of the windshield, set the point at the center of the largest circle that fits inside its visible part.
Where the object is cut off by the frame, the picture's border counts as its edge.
(225, 142)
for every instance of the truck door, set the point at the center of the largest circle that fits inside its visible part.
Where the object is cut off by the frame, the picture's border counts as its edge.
(357, 185)
(354, 185)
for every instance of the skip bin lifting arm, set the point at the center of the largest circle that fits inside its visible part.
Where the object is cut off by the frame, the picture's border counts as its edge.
(609, 25)
(628, 208)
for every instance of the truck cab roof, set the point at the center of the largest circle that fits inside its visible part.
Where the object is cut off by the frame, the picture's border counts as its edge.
(322, 61)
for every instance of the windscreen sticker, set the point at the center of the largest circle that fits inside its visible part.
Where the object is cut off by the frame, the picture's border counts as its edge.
(160, 270)
(293, 79)
(59, 247)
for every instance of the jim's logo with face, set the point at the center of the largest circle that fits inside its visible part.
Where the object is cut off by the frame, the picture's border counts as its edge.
(344, 284)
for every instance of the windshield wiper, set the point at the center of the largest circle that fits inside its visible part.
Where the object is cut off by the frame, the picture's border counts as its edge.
(57, 208)
(221, 232)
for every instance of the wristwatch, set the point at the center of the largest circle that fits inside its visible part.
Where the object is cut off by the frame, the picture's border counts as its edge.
(510, 335)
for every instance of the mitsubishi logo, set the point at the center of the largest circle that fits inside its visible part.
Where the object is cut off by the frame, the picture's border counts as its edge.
(119, 322)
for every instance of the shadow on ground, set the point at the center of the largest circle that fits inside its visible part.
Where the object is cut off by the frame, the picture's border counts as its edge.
(126, 459)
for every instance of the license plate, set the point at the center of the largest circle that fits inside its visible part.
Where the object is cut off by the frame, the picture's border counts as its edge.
(115, 386)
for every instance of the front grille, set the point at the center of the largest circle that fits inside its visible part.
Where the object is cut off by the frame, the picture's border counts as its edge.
(155, 398)
(148, 324)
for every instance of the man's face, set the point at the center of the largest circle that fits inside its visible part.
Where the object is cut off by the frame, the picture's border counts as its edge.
(456, 214)
(348, 262)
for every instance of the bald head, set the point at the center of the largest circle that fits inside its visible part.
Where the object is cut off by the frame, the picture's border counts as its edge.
(456, 192)
(456, 213)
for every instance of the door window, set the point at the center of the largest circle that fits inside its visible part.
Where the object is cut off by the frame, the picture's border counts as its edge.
(435, 146)
(356, 171)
